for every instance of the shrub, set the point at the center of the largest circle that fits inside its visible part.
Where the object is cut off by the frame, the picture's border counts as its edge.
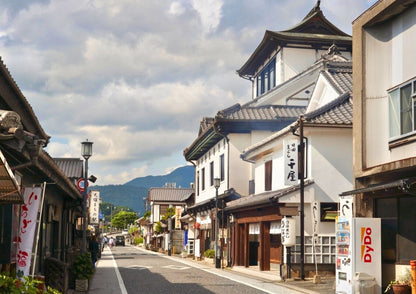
(82, 266)
(138, 240)
(29, 285)
(209, 253)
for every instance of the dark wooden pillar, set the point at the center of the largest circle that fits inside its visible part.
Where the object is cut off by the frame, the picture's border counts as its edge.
(245, 244)
(264, 246)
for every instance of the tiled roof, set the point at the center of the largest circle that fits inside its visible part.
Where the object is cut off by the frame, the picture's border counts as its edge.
(314, 30)
(337, 112)
(268, 112)
(21, 104)
(339, 74)
(205, 123)
(262, 198)
(72, 167)
(169, 194)
(316, 23)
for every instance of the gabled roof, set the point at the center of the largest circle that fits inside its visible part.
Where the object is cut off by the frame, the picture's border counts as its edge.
(169, 194)
(339, 74)
(314, 30)
(50, 169)
(71, 167)
(240, 119)
(337, 112)
(316, 23)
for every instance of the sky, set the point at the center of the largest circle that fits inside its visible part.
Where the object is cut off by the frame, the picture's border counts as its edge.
(136, 77)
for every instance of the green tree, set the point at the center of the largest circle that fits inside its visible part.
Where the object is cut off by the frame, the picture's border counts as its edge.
(123, 218)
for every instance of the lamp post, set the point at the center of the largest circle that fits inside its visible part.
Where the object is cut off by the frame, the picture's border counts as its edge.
(217, 182)
(86, 152)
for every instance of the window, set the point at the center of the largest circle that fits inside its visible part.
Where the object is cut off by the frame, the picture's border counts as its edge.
(211, 173)
(266, 79)
(402, 109)
(222, 168)
(197, 183)
(203, 179)
(398, 236)
(268, 176)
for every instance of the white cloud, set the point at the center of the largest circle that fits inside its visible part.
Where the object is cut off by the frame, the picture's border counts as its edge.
(176, 8)
(136, 77)
(209, 12)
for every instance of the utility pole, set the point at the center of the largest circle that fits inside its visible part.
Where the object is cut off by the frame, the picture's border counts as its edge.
(302, 198)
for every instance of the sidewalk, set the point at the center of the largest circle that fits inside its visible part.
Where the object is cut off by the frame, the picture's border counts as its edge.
(106, 277)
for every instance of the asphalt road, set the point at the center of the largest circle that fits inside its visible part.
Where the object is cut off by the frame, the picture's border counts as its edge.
(145, 272)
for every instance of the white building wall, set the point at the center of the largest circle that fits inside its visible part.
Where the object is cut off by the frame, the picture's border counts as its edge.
(394, 43)
(323, 93)
(155, 213)
(330, 159)
(329, 165)
(296, 60)
(239, 170)
(213, 155)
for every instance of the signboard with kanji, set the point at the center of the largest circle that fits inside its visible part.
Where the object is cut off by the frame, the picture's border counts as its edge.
(178, 211)
(94, 207)
(290, 155)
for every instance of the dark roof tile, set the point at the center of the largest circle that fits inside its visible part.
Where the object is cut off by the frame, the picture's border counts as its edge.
(169, 194)
(337, 112)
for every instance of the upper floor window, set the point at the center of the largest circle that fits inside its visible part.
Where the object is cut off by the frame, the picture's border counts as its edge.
(203, 179)
(266, 79)
(211, 173)
(402, 109)
(222, 167)
(268, 176)
(197, 183)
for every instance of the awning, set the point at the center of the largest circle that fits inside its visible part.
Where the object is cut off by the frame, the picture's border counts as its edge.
(402, 185)
(9, 188)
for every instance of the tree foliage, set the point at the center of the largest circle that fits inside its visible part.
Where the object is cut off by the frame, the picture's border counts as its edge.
(123, 218)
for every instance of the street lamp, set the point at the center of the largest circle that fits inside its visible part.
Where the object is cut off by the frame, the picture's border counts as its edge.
(86, 152)
(217, 182)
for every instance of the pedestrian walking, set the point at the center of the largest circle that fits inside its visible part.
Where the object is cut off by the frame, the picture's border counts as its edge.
(105, 241)
(94, 248)
(111, 242)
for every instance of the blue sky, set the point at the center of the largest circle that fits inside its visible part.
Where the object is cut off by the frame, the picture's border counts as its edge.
(136, 77)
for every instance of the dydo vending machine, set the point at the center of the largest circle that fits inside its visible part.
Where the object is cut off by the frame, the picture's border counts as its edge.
(358, 253)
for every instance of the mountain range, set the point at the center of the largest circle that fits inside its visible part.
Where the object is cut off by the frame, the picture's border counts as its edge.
(131, 194)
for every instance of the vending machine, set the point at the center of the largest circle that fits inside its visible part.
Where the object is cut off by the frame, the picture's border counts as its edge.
(358, 253)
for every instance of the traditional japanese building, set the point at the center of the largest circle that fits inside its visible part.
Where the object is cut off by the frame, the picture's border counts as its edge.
(283, 70)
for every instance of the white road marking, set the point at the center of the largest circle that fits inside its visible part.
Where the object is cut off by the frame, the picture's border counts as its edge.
(119, 278)
(176, 267)
(139, 267)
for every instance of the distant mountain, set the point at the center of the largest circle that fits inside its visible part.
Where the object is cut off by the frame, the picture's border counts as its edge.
(131, 194)
(183, 177)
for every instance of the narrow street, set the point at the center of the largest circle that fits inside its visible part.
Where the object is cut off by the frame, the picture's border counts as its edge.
(131, 269)
(143, 271)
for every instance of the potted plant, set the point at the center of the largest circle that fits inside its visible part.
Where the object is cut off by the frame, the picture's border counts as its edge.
(401, 286)
(82, 270)
(12, 285)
